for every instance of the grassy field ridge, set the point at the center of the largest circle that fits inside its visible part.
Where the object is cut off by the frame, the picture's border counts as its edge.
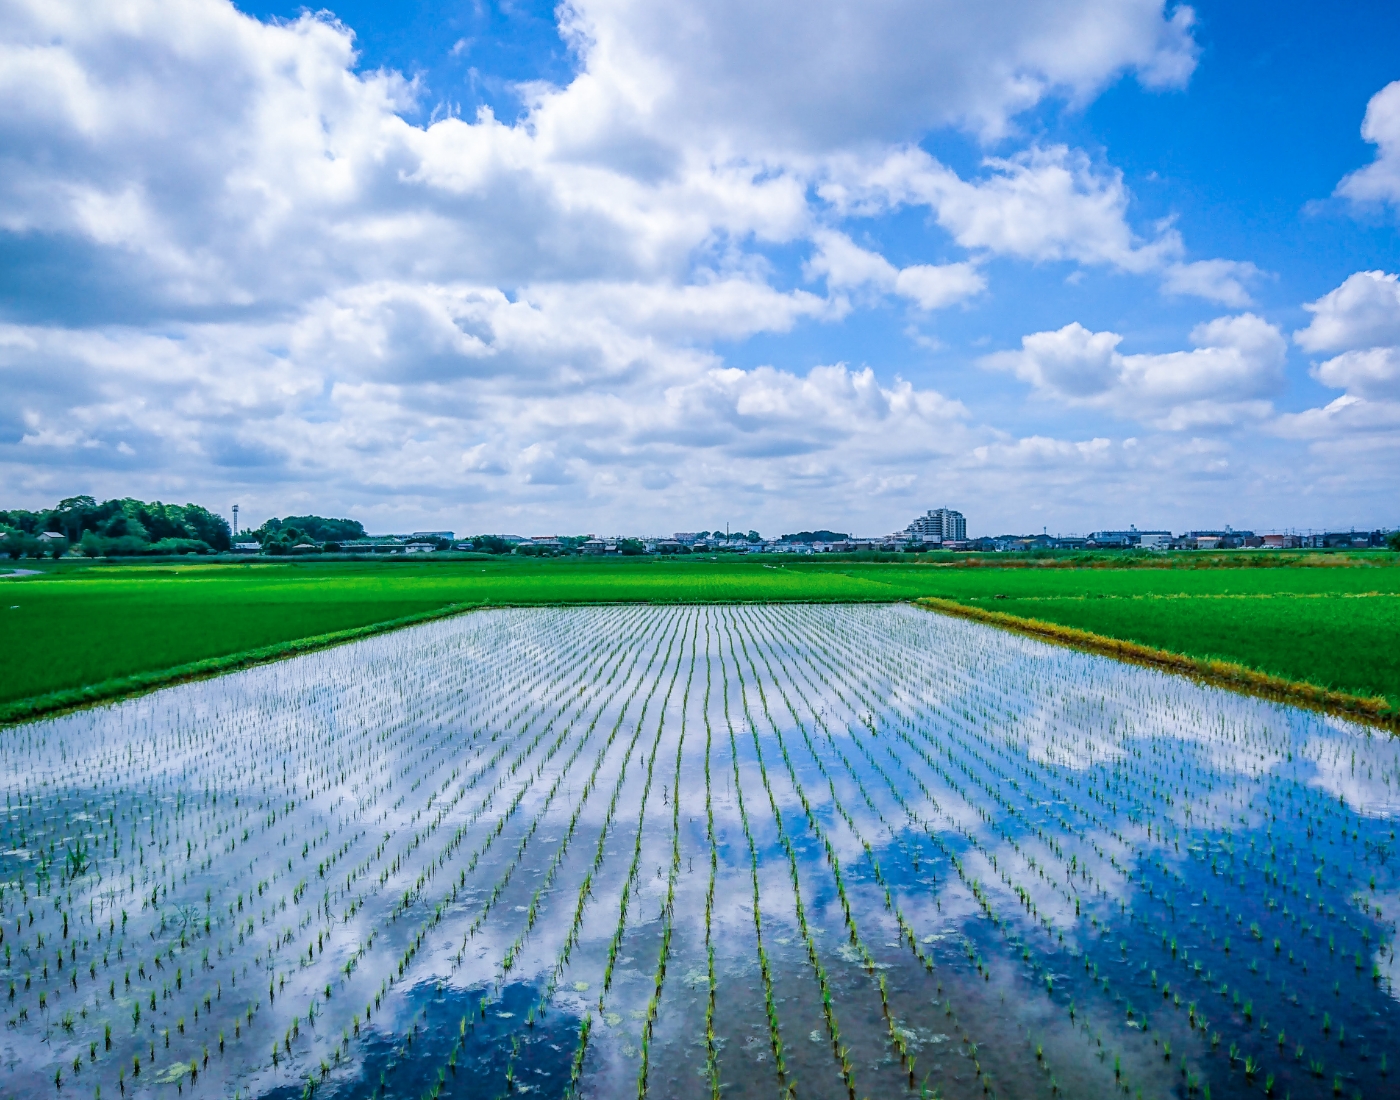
(1230, 674)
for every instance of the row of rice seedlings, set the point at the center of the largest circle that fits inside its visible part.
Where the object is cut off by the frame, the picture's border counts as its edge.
(630, 881)
(973, 885)
(668, 907)
(1005, 878)
(558, 857)
(840, 1053)
(418, 939)
(898, 1039)
(496, 830)
(907, 934)
(324, 865)
(508, 961)
(585, 889)
(534, 908)
(1173, 941)
(632, 871)
(711, 1048)
(1173, 947)
(770, 1007)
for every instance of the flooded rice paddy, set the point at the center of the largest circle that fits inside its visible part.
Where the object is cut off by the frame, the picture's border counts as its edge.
(695, 852)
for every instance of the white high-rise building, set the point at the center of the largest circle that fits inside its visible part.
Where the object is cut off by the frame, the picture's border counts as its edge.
(939, 525)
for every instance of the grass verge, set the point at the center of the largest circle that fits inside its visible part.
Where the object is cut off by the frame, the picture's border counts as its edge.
(1376, 709)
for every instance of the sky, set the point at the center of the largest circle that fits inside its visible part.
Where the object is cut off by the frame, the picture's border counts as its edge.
(624, 267)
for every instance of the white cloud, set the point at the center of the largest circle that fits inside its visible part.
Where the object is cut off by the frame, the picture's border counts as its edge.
(1363, 312)
(1379, 181)
(1042, 204)
(322, 304)
(935, 286)
(202, 159)
(1042, 452)
(1373, 373)
(1237, 363)
(821, 75)
(1346, 417)
(847, 266)
(1361, 320)
(395, 393)
(1222, 281)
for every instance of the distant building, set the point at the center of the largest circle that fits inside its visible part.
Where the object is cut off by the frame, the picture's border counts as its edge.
(1156, 540)
(1347, 539)
(1228, 539)
(1123, 539)
(1280, 542)
(433, 535)
(938, 525)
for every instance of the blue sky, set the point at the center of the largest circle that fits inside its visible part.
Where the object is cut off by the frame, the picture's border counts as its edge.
(624, 267)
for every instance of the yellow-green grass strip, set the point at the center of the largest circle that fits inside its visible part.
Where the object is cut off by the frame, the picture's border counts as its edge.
(141, 683)
(1228, 674)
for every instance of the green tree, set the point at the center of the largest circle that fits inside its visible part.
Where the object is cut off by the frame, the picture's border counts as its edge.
(1393, 541)
(314, 528)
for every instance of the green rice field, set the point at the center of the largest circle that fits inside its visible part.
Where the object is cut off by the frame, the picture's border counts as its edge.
(96, 627)
(705, 852)
(1336, 628)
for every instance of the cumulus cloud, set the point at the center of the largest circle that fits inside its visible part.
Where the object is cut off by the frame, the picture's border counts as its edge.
(1235, 366)
(846, 266)
(1372, 373)
(1379, 181)
(1361, 320)
(413, 392)
(1363, 312)
(183, 156)
(1046, 203)
(238, 265)
(829, 74)
(1222, 281)
(1041, 452)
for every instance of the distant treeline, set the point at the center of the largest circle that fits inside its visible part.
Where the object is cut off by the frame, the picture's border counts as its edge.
(816, 536)
(281, 535)
(129, 526)
(114, 527)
